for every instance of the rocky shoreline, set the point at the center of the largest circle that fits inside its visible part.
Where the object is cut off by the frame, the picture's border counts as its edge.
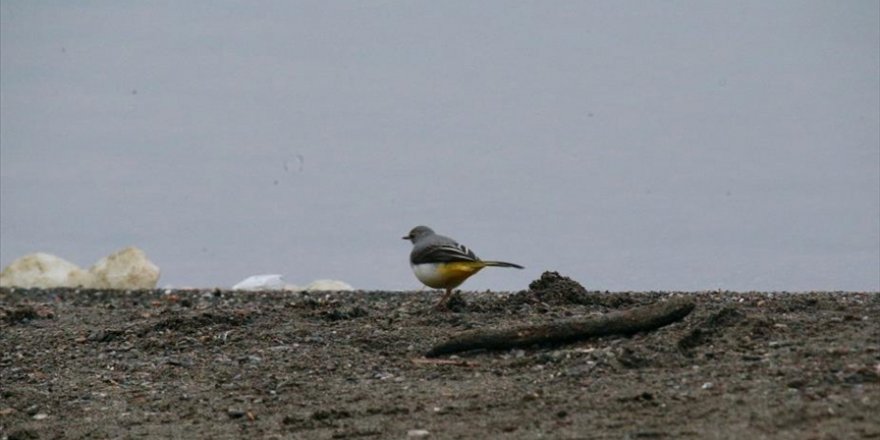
(79, 363)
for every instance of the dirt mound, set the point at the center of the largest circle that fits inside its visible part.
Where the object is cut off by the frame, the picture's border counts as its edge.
(555, 289)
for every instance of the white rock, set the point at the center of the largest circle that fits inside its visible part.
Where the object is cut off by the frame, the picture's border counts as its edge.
(44, 270)
(128, 268)
(125, 269)
(261, 282)
(334, 285)
(417, 433)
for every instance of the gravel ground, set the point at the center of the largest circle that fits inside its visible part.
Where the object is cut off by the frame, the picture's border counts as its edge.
(223, 364)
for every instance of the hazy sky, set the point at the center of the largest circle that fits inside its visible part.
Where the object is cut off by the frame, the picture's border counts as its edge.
(630, 145)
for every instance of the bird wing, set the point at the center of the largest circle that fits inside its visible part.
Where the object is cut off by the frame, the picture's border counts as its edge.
(442, 253)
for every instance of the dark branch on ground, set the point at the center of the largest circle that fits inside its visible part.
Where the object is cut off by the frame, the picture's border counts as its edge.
(626, 322)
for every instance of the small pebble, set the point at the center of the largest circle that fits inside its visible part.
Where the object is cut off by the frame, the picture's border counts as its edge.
(40, 416)
(416, 433)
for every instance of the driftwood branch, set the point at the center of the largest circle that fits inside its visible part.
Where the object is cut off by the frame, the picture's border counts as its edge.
(626, 322)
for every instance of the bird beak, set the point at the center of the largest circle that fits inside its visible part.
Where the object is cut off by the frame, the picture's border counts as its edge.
(407, 237)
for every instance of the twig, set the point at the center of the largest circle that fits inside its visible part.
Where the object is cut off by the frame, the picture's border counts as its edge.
(626, 322)
(453, 362)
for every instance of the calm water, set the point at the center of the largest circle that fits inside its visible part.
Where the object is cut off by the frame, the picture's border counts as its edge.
(664, 146)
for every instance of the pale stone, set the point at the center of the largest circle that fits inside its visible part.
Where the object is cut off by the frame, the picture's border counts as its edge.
(44, 270)
(128, 268)
(329, 285)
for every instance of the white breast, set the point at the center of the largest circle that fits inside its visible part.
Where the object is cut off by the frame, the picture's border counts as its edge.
(429, 274)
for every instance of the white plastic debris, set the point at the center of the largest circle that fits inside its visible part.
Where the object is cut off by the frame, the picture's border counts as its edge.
(276, 282)
(128, 268)
(261, 282)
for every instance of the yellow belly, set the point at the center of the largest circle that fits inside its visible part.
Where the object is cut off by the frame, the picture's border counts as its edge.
(446, 275)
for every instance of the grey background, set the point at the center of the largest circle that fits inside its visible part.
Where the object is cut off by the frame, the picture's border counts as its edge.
(630, 145)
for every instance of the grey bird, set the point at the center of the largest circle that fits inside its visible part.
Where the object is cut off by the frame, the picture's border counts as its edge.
(442, 263)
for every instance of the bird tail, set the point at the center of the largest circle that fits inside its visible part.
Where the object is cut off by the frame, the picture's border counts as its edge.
(502, 264)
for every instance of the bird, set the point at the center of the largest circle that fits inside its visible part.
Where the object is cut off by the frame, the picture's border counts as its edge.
(442, 263)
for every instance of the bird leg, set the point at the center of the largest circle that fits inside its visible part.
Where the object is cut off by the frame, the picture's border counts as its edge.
(442, 304)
